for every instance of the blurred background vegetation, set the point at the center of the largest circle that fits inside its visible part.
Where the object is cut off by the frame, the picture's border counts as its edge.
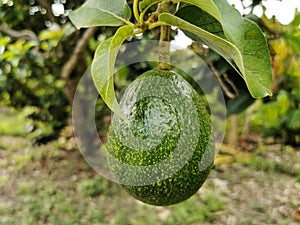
(42, 58)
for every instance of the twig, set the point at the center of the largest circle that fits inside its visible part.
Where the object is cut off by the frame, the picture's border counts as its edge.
(227, 92)
(228, 81)
(27, 35)
(48, 8)
(78, 51)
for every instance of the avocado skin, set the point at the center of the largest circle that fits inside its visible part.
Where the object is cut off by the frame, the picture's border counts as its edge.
(169, 189)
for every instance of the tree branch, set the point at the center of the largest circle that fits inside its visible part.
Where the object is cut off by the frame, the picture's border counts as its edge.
(48, 8)
(231, 84)
(78, 51)
(227, 92)
(27, 35)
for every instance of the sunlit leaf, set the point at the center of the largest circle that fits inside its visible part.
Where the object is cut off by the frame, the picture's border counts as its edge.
(218, 44)
(103, 66)
(202, 20)
(101, 13)
(245, 35)
(250, 40)
(256, 57)
(207, 6)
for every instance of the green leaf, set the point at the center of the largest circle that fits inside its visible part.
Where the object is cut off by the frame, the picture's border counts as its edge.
(144, 4)
(207, 6)
(250, 40)
(245, 35)
(256, 57)
(101, 13)
(218, 44)
(103, 66)
(202, 20)
(231, 21)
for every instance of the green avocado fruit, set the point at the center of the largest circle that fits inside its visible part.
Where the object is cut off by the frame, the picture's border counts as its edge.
(163, 152)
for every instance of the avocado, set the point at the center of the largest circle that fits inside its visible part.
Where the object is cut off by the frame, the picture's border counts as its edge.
(163, 152)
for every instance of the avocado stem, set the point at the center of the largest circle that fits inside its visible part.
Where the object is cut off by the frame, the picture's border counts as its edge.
(164, 40)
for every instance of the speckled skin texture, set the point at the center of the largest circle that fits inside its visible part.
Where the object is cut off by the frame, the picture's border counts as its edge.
(166, 147)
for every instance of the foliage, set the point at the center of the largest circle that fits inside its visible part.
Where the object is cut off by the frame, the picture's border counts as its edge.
(55, 186)
(32, 61)
(244, 49)
(279, 115)
(34, 46)
(31, 80)
(93, 187)
(82, 197)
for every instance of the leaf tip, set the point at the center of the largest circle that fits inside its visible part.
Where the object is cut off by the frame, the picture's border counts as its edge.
(262, 94)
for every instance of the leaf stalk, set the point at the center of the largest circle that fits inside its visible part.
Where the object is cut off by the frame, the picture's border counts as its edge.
(136, 10)
(164, 40)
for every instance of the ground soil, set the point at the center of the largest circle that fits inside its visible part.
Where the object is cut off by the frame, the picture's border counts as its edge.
(253, 193)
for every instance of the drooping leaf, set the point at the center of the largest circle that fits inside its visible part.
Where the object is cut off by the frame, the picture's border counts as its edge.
(256, 57)
(202, 20)
(234, 83)
(231, 21)
(207, 6)
(103, 66)
(244, 35)
(101, 13)
(144, 4)
(250, 40)
(218, 44)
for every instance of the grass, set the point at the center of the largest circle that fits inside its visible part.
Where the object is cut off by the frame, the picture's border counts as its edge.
(63, 190)
(49, 185)
(93, 187)
(269, 166)
(298, 177)
(259, 208)
(55, 186)
(46, 203)
(281, 162)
